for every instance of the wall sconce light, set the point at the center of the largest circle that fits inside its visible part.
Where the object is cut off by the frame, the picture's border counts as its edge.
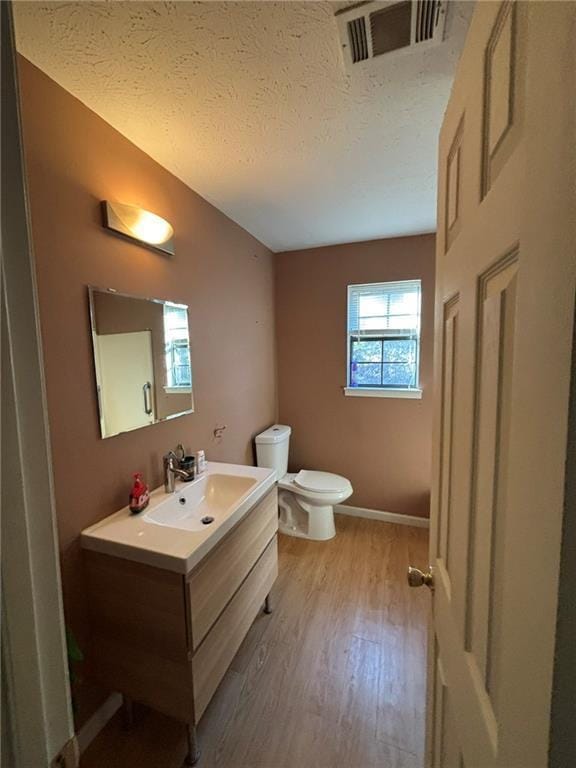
(140, 225)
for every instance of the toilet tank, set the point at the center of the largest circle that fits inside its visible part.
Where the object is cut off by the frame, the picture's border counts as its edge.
(272, 448)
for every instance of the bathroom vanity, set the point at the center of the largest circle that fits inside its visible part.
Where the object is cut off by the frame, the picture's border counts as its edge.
(172, 597)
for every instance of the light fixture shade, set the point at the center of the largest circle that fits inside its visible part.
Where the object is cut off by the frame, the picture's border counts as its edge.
(140, 225)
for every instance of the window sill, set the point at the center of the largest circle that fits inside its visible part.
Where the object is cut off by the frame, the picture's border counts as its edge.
(178, 390)
(413, 394)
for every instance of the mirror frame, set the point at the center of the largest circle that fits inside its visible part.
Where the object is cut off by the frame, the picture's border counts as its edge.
(93, 289)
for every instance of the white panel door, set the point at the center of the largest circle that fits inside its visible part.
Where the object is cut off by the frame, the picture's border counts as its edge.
(504, 315)
(126, 380)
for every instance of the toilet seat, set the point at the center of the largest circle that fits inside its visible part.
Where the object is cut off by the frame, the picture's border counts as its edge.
(288, 483)
(321, 482)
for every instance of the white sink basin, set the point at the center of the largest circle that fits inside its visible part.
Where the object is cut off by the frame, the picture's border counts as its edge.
(203, 503)
(170, 533)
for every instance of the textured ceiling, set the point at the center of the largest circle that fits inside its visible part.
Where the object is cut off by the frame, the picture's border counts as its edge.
(249, 104)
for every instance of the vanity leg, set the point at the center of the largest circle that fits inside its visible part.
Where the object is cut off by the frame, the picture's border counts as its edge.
(193, 747)
(127, 713)
(267, 605)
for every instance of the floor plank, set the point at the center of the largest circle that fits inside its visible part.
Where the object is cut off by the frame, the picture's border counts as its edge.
(334, 677)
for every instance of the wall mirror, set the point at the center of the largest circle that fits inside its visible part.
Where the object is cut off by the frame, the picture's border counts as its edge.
(141, 358)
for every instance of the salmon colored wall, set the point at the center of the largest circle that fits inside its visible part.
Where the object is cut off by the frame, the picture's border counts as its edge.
(75, 160)
(382, 445)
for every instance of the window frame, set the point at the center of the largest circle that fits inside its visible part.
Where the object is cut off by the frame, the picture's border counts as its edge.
(170, 346)
(173, 345)
(382, 339)
(382, 390)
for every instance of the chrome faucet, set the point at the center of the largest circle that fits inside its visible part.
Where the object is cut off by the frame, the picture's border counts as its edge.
(172, 471)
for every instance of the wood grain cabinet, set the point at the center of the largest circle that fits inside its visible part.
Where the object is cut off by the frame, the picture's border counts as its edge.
(166, 639)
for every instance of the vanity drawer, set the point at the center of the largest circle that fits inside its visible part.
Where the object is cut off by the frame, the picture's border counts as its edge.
(212, 659)
(214, 582)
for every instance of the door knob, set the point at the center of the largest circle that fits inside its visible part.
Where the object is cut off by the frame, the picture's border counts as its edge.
(417, 578)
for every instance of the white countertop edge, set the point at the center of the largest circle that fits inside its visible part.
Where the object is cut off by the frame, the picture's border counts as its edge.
(165, 560)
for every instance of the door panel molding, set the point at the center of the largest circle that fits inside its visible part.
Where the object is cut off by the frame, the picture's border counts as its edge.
(449, 368)
(453, 184)
(500, 91)
(494, 350)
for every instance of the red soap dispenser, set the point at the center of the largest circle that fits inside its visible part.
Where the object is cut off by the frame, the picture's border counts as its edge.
(139, 495)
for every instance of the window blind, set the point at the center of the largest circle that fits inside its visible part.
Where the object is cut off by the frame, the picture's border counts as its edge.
(384, 310)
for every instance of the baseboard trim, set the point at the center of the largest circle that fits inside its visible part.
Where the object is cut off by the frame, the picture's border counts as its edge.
(99, 719)
(385, 517)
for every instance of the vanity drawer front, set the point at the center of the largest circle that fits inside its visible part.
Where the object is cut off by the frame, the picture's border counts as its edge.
(212, 659)
(214, 582)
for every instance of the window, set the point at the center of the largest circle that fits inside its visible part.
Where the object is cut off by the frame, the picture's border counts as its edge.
(177, 349)
(384, 338)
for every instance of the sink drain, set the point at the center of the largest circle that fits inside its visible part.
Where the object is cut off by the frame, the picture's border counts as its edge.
(207, 520)
(182, 500)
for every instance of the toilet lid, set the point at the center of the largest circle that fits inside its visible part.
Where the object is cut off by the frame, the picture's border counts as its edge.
(321, 481)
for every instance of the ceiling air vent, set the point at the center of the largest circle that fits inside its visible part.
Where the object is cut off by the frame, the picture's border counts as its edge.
(358, 39)
(427, 18)
(371, 29)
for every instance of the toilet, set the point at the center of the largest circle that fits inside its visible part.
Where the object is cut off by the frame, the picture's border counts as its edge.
(305, 499)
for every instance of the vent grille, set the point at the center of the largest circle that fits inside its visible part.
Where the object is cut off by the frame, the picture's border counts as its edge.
(375, 29)
(358, 39)
(390, 28)
(427, 14)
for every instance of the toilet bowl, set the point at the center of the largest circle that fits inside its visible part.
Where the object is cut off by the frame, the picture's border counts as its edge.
(306, 499)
